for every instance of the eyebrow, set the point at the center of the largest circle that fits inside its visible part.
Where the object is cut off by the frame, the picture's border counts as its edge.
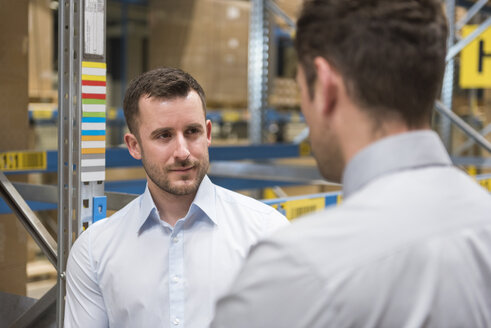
(160, 131)
(194, 125)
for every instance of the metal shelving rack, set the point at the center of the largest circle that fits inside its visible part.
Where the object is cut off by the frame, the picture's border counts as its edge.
(258, 67)
(445, 106)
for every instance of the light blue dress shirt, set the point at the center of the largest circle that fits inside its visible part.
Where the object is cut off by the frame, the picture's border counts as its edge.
(135, 270)
(409, 247)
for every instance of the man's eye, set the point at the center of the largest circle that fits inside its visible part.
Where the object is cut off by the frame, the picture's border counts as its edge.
(193, 131)
(165, 135)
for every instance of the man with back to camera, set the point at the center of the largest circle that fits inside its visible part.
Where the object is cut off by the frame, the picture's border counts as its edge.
(164, 259)
(411, 244)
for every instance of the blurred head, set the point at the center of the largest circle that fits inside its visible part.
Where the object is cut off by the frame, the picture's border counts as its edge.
(390, 53)
(367, 69)
(165, 112)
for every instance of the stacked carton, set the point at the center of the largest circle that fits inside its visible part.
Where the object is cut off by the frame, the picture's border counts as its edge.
(13, 133)
(208, 39)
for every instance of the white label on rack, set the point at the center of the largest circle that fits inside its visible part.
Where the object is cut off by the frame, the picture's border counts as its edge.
(94, 27)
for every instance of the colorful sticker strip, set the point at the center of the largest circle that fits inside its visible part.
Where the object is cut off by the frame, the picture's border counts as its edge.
(93, 157)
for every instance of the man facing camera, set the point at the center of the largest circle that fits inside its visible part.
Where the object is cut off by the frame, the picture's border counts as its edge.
(411, 244)
(164, 259)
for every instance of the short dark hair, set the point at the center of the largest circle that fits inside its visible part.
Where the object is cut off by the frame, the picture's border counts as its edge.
(164, 83)
(391, 53)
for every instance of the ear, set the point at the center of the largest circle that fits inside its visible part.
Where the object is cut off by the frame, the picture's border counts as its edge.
(133, 145)
(208, 131)
(327, 86)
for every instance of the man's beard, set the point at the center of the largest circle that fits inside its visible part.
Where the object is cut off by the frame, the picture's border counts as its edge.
(160, 176)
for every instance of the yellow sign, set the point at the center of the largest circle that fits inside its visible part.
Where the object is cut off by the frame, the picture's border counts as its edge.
(112, 113)
(42, 114)
(304, 149)
(475, 60)
(20, 161)
(486, 183)
(295, 208)
(339, 200)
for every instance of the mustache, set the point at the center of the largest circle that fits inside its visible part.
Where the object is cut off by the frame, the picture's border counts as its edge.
(180, 164)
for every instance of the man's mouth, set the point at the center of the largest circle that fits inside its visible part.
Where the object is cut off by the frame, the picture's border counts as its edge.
(182, 169)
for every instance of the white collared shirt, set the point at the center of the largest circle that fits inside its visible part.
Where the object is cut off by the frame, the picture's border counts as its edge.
(135, 270)
(409, 247)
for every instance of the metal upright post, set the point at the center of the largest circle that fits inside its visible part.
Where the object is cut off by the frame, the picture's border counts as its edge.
(68, 141)
(81, 126)
(258, 70)
(448, 79)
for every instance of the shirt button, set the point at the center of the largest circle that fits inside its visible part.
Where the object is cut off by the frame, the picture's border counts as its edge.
(176, 322)
(175, 279)
(175, 240)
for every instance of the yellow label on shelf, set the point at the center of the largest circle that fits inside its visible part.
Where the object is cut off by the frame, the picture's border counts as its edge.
(486, 183)
(20, 161)
(304, 149)
(340, 199)
(231, 116)
(268, 193)
(295, 208)
(42, 114)
(472, 170)
(112, 113)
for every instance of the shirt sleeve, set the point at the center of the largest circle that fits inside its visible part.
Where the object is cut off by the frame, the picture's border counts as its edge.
(84, 304)
(273, 289)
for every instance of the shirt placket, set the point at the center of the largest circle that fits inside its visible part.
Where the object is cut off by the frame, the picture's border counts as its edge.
(176, 275)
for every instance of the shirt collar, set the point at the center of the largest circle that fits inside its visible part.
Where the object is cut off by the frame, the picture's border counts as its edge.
(395, 153)
(148, 210)
(204, 201)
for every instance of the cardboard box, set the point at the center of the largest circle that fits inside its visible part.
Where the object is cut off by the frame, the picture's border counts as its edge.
(13, 133)
(208, 39)
(285, 93)
(13, 255)
(41, 35)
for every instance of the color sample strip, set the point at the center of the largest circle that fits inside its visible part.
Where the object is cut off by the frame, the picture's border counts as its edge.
(93, 101)
(93, 71)
(93, 150)
(93, 89)
(101, 108)
(93, 162)
(93, 138)
(93, 132)
(92, 168)
(93, 144)
(93, 126)
(93, 114)
(93, 64)
(93, 176)
(94, 83)
(93, 96)
(93, 121)
(93, 77)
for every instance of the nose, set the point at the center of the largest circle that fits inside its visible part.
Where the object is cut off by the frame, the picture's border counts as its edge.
(181, 152)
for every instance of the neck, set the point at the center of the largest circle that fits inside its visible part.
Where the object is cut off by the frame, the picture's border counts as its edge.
(171, 207)
(369, 132)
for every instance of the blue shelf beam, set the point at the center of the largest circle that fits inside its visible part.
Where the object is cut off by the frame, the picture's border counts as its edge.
(119, 156)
